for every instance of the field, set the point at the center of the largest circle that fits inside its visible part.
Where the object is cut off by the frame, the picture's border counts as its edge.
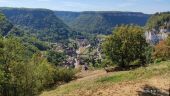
(145, 81)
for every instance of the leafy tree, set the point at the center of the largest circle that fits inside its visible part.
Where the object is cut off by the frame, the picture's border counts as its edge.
(22, 76)
(126, 46)
(11, 54)
(38, 74)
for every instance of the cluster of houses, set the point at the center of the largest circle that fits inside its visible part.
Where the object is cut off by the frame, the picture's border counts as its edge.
(84, 53)
(75, 57)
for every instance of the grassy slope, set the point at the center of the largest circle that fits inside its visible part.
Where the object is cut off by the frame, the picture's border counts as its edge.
(100, 83)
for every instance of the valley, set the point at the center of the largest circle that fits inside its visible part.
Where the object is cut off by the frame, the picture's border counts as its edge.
(44, 52)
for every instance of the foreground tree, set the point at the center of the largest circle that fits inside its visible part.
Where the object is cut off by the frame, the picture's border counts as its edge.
(126, 46)
(21, 75)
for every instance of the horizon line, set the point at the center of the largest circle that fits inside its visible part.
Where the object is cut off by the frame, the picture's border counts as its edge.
(84, 10)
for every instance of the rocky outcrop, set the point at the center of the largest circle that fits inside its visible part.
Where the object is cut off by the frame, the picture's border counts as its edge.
(154, 36)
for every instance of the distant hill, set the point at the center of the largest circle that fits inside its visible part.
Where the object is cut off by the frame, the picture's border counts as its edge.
(41, 23)
(8, 29)
(100, 22)
(67, 16)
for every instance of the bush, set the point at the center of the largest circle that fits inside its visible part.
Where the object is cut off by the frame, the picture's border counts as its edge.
(55, 58)
(162, 51)
(106, 63)
(64, 75)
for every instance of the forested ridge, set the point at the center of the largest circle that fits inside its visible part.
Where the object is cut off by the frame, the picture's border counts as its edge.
(100, 22)
(10, 30)
(48, 25)
(41, 23)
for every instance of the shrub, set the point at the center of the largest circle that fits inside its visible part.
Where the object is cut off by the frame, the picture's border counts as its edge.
(55, 58)
(64, 75)
(162, 51)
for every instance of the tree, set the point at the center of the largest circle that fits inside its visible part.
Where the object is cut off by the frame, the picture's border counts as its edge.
(21, 75)
(162, 50)
(126, 46)
(12, 54)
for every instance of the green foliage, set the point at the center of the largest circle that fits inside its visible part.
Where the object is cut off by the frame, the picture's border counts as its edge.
(8, 30)
(55, 58)
(40, 45)
(107, 62)
(140, 73)
(5, 25)
(2, 17)
(21, 76)
(162, 51)
(168, 41)
(89, 23)
(148, 53)
(158, 20)
(41, 23)
(21, 72)
(67, 16)
(64, 75)
(126, 46)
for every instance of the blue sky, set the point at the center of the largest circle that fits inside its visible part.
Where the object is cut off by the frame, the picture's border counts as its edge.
(146, 6)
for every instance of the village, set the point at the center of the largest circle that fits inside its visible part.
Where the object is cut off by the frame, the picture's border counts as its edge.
(80, 54)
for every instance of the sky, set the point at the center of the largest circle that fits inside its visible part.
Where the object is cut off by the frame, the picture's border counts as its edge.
(145, 6)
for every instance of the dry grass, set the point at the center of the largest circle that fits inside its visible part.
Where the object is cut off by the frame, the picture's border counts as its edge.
(127, 83)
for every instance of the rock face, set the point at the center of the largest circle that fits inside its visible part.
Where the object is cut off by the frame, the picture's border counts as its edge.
(154, 36)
